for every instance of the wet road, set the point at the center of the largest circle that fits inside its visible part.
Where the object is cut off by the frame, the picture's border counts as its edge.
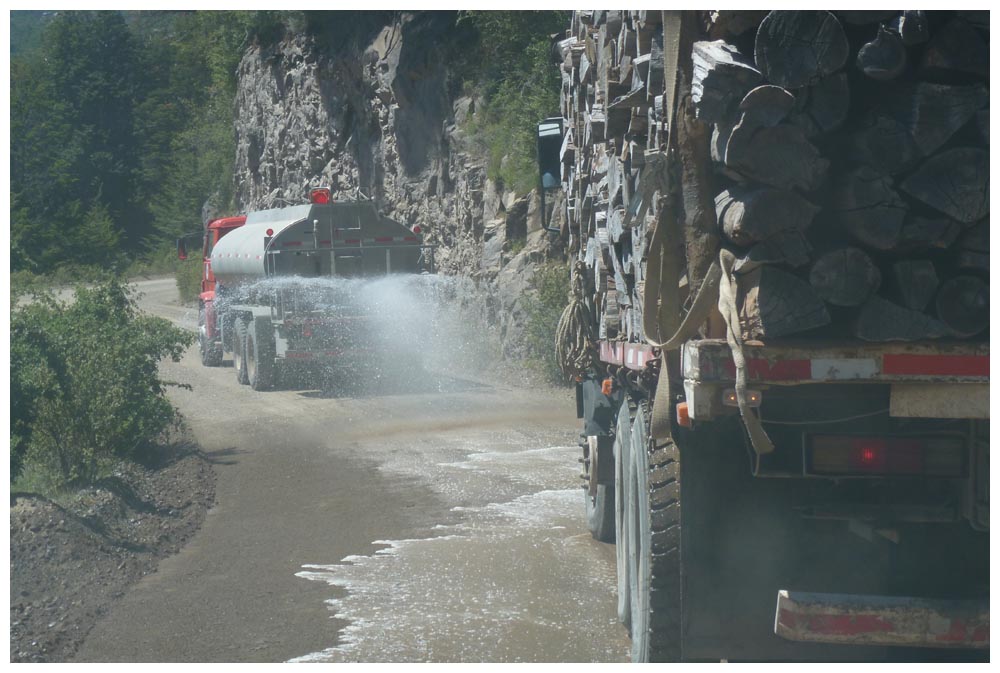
(440, 521)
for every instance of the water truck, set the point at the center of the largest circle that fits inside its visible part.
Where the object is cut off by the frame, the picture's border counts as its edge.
(259, 297)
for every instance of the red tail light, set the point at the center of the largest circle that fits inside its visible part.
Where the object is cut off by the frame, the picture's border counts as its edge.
(416, 229)
(320, 195)
(847, 455)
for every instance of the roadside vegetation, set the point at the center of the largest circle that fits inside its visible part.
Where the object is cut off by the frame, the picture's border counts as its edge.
(512, 72)
(85, 390)
(543, 306)
(121, 131)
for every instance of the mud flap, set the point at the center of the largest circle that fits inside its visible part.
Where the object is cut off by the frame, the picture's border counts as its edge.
(882, 620)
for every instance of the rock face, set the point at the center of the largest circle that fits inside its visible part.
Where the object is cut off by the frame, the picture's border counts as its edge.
(373, 114)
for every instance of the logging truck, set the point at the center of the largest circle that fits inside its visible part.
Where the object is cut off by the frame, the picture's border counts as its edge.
(779, 325)
(257, 300)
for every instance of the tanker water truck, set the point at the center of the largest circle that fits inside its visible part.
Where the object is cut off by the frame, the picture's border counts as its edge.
(262, 298)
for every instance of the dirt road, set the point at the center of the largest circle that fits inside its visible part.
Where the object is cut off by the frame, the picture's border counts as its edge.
(443, 523)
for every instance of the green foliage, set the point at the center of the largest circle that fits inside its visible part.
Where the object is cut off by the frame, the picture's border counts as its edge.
(515, 75)
(543, 307)
(122, 129)
(26, 29)
(188, 276)
(73, 145)
(85, 390)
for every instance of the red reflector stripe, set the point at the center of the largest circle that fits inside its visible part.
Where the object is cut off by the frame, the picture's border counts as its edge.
(292, 355)
(936, 365)
(412, 239)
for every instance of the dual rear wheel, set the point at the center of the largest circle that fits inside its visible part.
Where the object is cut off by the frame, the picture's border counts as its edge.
(647, 516)
(253, 353)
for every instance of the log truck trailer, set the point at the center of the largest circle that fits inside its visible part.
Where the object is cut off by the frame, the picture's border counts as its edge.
(821, 498)
(267, 324)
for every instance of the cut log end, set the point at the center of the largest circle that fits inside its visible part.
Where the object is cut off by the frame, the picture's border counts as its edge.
(883, 58)
(963, 304)
(881, 320)
(776, 303)
(955, 182)
(797, 48)
(916, 282)
(845, 277)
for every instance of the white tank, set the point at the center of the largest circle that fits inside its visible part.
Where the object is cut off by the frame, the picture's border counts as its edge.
(301, 239)
(241, 255)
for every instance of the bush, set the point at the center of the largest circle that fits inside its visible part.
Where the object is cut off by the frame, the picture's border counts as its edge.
(543, 307)
(189, 279)
(85, 389)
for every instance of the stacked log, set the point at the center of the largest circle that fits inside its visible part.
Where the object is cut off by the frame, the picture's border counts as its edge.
(612, 99)
(847, 155)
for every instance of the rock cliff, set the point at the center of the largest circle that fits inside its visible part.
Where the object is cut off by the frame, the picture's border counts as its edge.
(369, 113)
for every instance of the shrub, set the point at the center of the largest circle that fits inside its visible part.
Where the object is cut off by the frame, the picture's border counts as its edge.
(543, 307)
(188, 276)
(85, 389)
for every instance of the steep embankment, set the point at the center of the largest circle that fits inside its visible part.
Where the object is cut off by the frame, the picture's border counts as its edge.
(373, 112)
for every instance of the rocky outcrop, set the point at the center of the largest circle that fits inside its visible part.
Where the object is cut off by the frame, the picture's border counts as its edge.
(372, 117)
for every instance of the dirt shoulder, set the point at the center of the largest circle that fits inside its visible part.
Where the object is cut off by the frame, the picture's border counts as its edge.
(70, 562)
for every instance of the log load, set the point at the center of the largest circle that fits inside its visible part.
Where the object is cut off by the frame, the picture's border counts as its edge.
(842, 157)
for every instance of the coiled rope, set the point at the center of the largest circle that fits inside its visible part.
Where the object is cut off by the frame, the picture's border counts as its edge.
(576, 351)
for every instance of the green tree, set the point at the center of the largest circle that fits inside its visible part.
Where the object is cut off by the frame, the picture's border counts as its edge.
(73, 151)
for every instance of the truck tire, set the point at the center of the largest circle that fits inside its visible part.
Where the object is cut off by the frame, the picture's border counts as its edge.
(623, 442)
(239, 351)
(654, 545)
(600, 507)
(260, 355)
(211, 354)
(601, 513)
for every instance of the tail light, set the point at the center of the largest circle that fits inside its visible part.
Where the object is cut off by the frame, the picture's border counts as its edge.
(850, 455)
(729, 398)
(320, 195)
(416, 229)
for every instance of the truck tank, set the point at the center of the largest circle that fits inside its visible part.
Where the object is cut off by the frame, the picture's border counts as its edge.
(314, 240)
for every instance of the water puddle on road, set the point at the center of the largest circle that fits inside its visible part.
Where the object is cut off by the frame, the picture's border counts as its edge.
(510, 582)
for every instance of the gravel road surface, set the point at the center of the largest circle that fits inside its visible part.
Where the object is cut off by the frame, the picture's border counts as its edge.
(440, 521)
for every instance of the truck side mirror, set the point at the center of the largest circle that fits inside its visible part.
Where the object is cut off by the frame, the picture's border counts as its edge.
(182, 252)
(549, 144)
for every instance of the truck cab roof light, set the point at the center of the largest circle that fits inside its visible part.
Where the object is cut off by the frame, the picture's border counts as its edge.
(320, 196)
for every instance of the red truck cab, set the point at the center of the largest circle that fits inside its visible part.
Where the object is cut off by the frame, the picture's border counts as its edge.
(215, 230)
